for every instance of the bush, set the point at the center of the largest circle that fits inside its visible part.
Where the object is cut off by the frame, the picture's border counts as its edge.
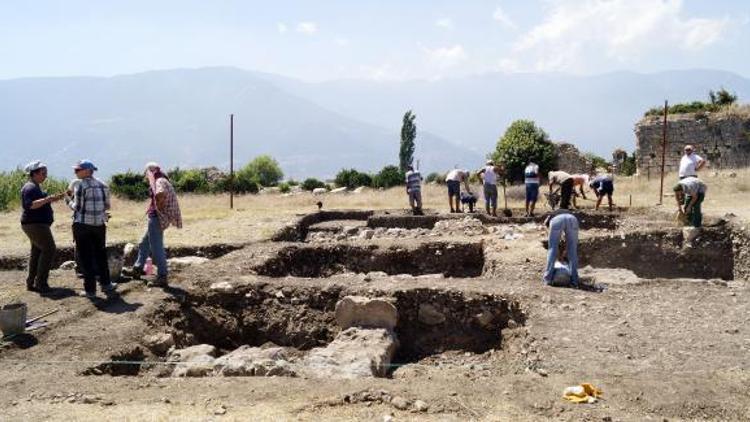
(284, 187)
(522, 142)
(628, 167)
(388, 177)
(292, 182)
(129, 185)
(245, 181)
(717, 100)
(351, 179)
(435, 177)
(312, 183)
(190, 181)
(11, 183)
(264, 169)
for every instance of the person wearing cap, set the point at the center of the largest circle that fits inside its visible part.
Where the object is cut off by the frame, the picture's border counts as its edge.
(413, 180)
(163, 211)
(36, 222)
(453, 180)
(690, 163)
(90, 202)
(489, 175)
(531, 180)
(689, 194)
(565, 183)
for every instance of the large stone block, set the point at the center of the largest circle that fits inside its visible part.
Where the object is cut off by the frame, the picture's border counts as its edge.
(354, 353)
(359, 311)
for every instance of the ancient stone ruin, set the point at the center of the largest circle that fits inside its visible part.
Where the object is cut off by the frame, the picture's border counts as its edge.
(571, 160)
(722, 138)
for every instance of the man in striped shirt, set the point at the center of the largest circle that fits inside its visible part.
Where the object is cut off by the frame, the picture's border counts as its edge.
(414, 190)
(90, 203)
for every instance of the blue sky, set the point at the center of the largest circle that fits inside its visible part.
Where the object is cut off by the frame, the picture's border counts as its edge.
(320, 40)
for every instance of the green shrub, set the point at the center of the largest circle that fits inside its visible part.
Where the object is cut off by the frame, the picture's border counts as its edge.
(717, 100)
(11, 183)
(522, 142)
(435, 177)
(191, 181)
(628, 167)
(245, 182)
(284, 187)
(264, 169)
(292, 182)
(129, 185)
(388, 177)
(312, 183)
(352, 178)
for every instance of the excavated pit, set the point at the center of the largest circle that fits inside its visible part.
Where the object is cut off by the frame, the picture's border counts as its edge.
(451, 259)
(430, 321)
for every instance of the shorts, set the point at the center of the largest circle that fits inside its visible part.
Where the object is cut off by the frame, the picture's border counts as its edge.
(454, 187)
(490, 195)
(532, 192)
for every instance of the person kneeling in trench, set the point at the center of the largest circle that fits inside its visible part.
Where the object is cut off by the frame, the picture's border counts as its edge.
(559, 222)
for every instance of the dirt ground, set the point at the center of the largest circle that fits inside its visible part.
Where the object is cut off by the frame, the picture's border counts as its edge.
(659, 348)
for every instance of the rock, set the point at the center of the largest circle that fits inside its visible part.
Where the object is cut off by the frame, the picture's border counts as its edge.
(350, 230)
(159, 344)
(400, 403)
(354, 353)
(186, 261)
(361, 189)
(420, 406)
(68, 265)
(130, 252)
(690, 234)
(485, 318)
(377, 274)
(195, 361)
(359, 311)
(429, 315)
(254, 361)
(222, 287)
(319, 191)
(339, 190)
(221, 410)
(367, 234)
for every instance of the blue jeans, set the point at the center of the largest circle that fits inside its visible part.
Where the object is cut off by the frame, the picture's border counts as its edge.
(568, 224)
(153, 244)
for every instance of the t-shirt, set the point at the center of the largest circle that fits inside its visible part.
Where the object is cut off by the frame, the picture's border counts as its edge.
(688, 163)
(455, 175)
(580, 179)
(692, 186)
(558, 177)
(42, 215)
(490, 177)
(413, 181)
(531, 173)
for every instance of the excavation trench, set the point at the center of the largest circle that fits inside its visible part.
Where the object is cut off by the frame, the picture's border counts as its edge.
(451, 259)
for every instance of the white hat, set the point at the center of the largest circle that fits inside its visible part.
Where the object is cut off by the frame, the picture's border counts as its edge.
(152, 165)
(34, 166)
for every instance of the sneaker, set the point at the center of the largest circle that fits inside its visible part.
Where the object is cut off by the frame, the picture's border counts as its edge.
(90, 295)
(109, 288)
(133, 272)
(160, 281)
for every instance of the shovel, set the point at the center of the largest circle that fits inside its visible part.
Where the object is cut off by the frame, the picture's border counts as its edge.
(506, 211)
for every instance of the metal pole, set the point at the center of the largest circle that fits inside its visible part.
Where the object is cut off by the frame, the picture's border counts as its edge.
(663, 151)
(231, 161)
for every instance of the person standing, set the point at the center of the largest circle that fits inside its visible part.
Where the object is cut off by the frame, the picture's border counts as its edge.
(531, 179)
(689, 194)
(565, 183)
(453, 180)
(690, 163)
(414, 190)
(90, 202)
(163, 212)
(36, 222)
(559, 222)
(489, 175)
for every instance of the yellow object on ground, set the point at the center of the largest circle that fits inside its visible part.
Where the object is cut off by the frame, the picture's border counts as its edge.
(584, 393)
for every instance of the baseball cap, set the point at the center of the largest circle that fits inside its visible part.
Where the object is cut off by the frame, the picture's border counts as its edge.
(34, 166)
(85, 165)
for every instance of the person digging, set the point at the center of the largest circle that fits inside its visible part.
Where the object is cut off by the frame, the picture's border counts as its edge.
(689, 194)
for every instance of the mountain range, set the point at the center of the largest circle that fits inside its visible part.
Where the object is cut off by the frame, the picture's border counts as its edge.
(180, 117)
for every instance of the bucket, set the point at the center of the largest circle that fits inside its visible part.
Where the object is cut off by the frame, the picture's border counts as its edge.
(13, 319)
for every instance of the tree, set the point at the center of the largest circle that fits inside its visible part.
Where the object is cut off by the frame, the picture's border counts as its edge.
(408, 134)
(722, 97)
(352, 178)
(312, 183)
(522, 142)
(388, 177)
(265, 170)
(597, 161)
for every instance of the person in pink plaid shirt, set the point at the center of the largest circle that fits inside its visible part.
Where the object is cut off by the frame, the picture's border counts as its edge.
(163, 211)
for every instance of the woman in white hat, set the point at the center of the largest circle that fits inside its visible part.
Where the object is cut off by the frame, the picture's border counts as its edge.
(36, 219)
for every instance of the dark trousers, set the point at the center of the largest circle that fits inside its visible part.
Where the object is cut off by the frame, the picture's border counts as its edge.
(42, 252)
(566, 191)
(91, 244)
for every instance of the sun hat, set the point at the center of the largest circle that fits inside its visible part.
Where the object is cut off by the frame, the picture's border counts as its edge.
(34, 166)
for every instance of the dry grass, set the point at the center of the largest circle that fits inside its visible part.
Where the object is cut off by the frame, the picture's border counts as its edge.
(208, 219)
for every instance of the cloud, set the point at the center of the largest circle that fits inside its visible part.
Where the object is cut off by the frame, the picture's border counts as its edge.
(445, 23)
(282, 28)
(500, 16)
(307, 28)
(342, 42)
(574, 33)
(447, 56)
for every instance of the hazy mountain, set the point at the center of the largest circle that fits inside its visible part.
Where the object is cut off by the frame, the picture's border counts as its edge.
(180, 117)
(597, 113)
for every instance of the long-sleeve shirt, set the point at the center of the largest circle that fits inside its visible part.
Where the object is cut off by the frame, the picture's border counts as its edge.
(90, 202)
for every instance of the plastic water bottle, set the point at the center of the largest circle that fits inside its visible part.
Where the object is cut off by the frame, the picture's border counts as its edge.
(148, 268)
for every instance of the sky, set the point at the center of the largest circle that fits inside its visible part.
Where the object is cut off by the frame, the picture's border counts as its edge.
(372, 39)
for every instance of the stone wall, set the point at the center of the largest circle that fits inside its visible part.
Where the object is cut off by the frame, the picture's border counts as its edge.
(571, 160)
(723, 139)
